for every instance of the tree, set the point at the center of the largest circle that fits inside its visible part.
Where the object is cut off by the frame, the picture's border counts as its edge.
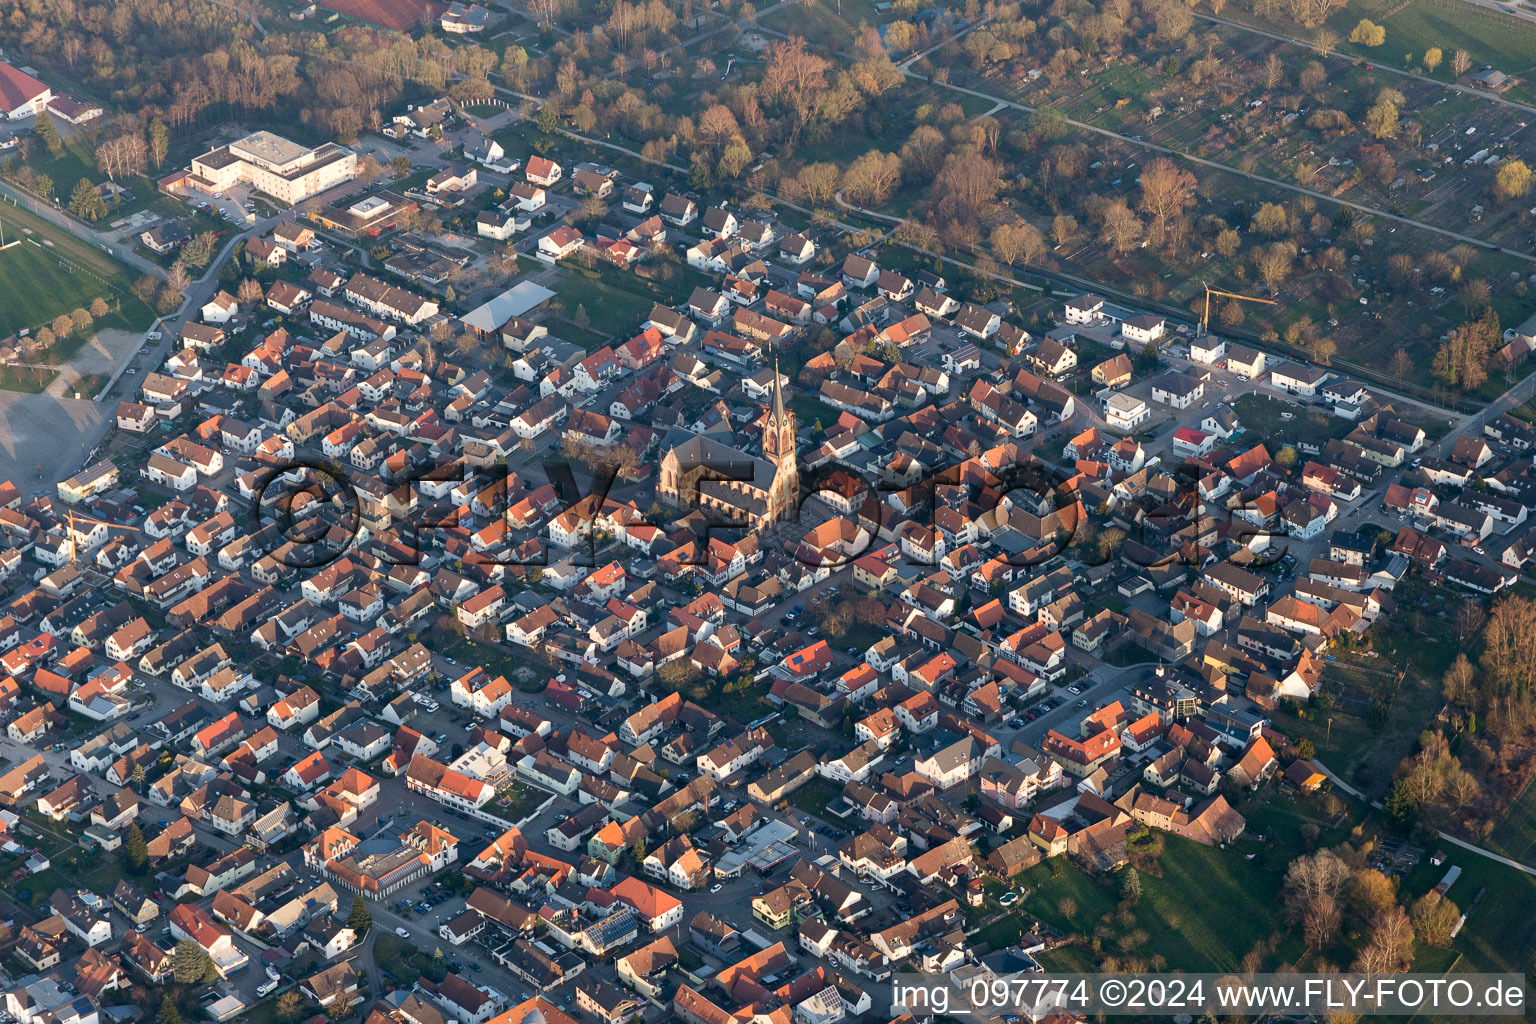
(872, 177)
(1370, 894)
(1434, 917)
(1286, 456)
(1274, 264)
(1048, 124)
(1469, 618)
(85, 203)
(136, 849)
(46, 338)
(168, 1012)
(1401, 365)
(340, 1008)
(178, 279)
(199, 250)
(1432, 59)
(1509, 645)
(1377, 163)
(1461, 62)
(1368, 33)
(290, 1008)
(966, 184)
(1381, 120)
(191, 965)
(545, 11)
(1456, 684)
(401, 165)
(795, 79)
(1390, 947)
(1130, 886)
(1227, 242)
(1401, 806)
(1020, 240)
(1322, 874)
(548, 119)
(63, 326)
(249, 293)
(81, 320)
(1063, 228)
(159, 142)
(48, 130)
(1462, 359)
(359, 920)
(1320, 922)
(819, 181)
(99, 307)
(1166, 189)
(1271, 220)
(1513, 179)
(1122, 228)
(917, 235)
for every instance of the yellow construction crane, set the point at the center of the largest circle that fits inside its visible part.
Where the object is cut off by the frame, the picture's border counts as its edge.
(74, 516)
(1205, 320)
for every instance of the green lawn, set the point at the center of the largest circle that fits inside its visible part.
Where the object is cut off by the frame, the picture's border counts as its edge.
(1505, 42)
(1358, 746)
(615, 303)
(1261, 415)
(79, 161)
(52, 272)
(403, 962)
(825, 22)
(1209, 908)
(521, 798)
(1515, 836)
(814, 796)
(1500, 933)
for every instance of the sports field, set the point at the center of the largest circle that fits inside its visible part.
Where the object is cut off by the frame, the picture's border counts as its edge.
(52, 272)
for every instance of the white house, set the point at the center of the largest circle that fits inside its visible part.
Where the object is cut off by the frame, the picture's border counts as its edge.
(220, 309)
(21, 95)
(543, 171)
(1124, 411)
(1085, 309)
(1143, 328)
(1299, 378)
(1188, 441)
(1207, 351)
(1178, 390)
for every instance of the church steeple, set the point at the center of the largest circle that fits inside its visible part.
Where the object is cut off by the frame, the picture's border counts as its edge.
(779, 428)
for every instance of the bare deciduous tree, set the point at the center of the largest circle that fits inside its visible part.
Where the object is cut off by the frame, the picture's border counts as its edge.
(1166, 189)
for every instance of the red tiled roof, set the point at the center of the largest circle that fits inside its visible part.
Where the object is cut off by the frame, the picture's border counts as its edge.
(17, 87)
(400, 15)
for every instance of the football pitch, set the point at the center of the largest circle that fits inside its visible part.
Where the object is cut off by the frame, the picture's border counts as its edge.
(51, 272)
